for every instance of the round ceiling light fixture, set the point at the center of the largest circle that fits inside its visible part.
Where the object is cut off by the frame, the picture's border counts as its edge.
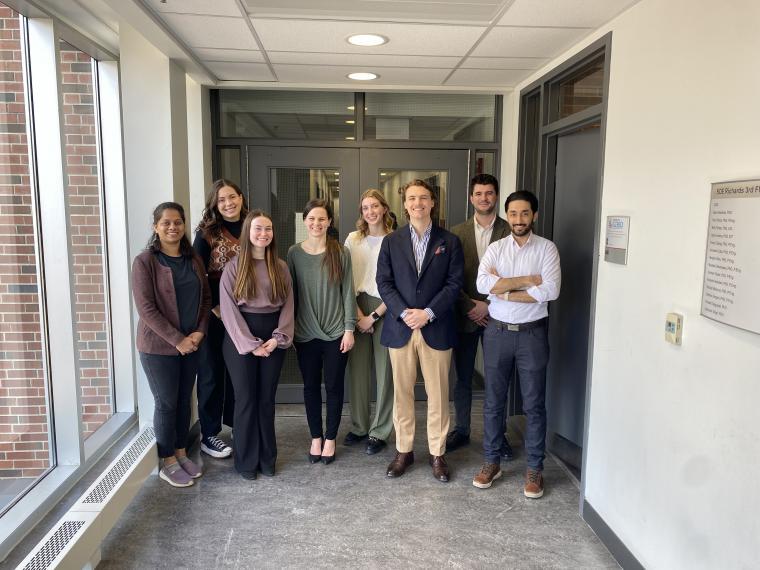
(367, 40)
(362, 76)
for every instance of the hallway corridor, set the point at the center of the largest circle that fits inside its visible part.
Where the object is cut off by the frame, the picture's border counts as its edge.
(348, 514)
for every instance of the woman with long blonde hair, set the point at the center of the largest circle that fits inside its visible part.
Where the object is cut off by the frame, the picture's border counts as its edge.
(368, 354)
(256, 298)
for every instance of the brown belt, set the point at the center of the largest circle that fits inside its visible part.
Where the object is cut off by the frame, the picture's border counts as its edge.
(518, 327)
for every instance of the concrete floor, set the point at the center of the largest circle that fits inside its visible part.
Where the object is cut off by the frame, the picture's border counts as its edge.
(348, 514)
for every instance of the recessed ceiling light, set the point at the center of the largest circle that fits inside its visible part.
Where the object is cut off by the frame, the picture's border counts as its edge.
(350, 122)
(336, 173)
(363, 76)
(383, 174)
(367, 40)
(351, 108)
(349, 138)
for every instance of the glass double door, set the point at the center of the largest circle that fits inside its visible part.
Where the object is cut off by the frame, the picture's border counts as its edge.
(283, 179)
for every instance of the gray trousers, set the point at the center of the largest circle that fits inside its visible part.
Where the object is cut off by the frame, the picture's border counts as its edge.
(369, 354)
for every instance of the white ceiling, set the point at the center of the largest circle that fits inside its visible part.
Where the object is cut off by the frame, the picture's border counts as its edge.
(481, 44)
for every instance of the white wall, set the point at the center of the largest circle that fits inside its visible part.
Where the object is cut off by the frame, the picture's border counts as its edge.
(154, 108)
(673, 449)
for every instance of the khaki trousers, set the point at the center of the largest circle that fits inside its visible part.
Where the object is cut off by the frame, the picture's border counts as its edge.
(435, 366)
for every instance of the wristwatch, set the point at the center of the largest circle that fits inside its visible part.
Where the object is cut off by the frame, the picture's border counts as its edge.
(375, 316)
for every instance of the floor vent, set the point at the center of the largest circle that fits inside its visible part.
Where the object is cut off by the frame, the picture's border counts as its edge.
(75, 541)
(113, 476)
(53, 546)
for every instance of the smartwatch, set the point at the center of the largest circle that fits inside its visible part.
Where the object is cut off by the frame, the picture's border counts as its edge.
(375, 316)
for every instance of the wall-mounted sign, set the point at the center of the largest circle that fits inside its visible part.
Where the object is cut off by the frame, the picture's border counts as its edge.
(732, 259)
(616, 239)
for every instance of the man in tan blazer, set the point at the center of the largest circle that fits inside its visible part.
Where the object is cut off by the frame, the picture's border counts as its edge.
(482, 229)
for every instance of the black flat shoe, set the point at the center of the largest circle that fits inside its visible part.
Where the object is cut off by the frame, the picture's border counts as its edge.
(250, 475)
(352, 438)
(375, 445)
(267, 471)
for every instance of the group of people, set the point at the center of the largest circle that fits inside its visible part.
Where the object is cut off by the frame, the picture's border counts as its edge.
(383, 305)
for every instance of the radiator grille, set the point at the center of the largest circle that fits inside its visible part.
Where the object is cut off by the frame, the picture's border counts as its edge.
(55, 544)
(117, 471)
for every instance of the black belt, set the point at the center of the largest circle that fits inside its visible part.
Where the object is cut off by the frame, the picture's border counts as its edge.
(502, 326)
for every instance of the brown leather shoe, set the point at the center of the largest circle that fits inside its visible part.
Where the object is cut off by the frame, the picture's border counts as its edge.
(400, 463)
(440, 468)
(534, 484)
(487, 475)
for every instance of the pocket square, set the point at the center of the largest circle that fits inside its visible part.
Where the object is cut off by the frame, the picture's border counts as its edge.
(440, 249)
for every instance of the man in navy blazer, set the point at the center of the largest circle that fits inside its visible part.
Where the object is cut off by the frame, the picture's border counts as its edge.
(420, 271)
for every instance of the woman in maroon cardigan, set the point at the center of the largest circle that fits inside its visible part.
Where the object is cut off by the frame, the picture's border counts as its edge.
(173, 301)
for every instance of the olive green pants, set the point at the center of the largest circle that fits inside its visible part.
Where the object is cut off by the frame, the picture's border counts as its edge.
(367, 355)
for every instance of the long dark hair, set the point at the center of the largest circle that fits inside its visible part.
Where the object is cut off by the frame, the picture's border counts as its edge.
(154, 244)
(211, 219)
(361, 223)
(245, 283)
(333, 250)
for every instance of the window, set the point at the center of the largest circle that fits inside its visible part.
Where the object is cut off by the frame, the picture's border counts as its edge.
(25, 423)
(287, 115)
(85, 221)
(430, 117)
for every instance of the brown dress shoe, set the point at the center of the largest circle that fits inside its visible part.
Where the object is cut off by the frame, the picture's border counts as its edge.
(400, 463)
(440, 468)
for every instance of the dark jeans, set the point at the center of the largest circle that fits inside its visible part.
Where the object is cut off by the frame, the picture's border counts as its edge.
(171, 380)
(528, 351)
(464, 362)
(215, 394)
(255, 379)
(312, 357)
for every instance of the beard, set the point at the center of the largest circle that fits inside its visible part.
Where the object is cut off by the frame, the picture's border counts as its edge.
(522, 230)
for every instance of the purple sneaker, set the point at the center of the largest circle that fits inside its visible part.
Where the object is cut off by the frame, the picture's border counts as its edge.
(175, 475)
(190, 468)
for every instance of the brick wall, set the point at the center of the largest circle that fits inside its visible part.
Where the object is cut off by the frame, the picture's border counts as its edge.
(24, 448)
(83, 196)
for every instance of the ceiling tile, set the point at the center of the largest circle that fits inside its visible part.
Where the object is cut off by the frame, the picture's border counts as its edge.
(366, 60)
(497, 78)
(563, 13)
(330, 36)
(215, 8)
(337, 75)
(240, 71)
(215, 54)
(211, 31)
(504, 62)
(452, 11)
(528, 42)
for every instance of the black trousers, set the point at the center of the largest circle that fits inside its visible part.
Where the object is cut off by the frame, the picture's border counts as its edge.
(215, 393)
(255, 380)
(313, 356)
(171, 380)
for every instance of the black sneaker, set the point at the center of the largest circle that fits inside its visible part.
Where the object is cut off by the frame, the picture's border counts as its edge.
(506, 450)
(215, 447)
(456, 439)
(352, 438)
(374, 445)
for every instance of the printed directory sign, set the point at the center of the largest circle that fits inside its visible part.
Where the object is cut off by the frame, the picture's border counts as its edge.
(732, 260)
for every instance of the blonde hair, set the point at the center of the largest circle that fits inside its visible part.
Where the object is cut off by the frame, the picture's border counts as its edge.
(361, 223)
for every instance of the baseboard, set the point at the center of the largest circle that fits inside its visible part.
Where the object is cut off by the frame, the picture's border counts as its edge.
(619, 551)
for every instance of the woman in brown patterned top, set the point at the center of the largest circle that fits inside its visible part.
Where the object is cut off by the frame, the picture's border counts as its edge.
(217, 242)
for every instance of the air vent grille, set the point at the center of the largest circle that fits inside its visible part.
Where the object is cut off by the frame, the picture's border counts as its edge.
(55, 544)
(117, 471)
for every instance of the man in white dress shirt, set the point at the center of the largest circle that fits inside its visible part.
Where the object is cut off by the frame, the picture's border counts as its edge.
(520, 274)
